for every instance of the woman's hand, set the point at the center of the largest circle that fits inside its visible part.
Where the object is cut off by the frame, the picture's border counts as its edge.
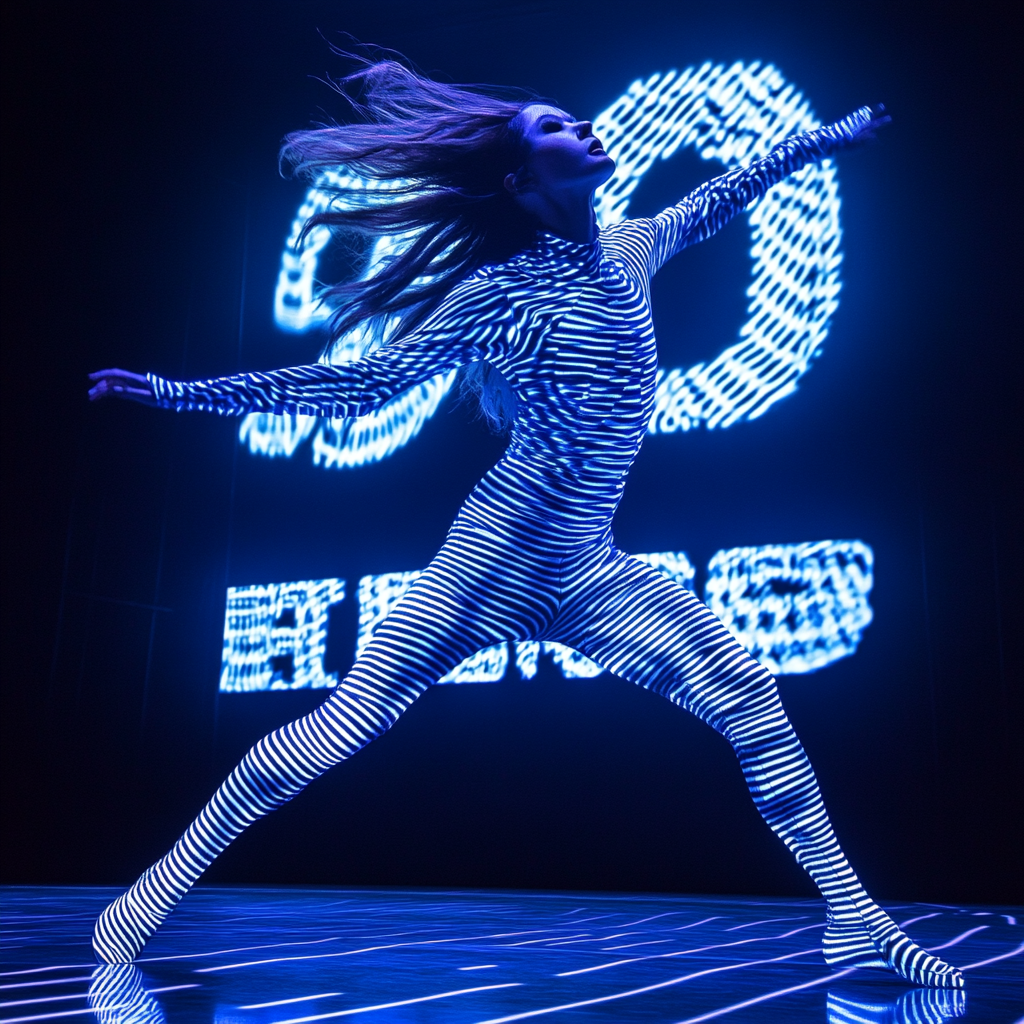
(121, 384)
(862, 124)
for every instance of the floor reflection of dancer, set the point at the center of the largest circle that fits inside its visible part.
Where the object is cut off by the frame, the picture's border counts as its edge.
(510, 277)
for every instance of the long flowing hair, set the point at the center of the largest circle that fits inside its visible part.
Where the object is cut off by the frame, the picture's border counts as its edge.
(437, 156)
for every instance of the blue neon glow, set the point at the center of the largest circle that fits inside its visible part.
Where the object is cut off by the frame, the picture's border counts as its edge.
(735, 114)
(337, 444)
(573, 665)
(795, 607)
(275, 636)
(729, 114)
(378, 595)
(570, 662)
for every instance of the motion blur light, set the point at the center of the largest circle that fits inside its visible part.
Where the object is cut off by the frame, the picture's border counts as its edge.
(795, 607)
(735, 115)
(275, 636)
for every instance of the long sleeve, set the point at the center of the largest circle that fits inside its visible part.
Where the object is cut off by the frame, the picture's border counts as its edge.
(711, 206)
(473, 322)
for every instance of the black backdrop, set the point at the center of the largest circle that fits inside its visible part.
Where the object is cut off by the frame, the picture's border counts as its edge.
(143, 224)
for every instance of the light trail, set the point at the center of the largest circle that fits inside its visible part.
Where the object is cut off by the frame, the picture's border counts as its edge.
(399, 1002)
(646, 988)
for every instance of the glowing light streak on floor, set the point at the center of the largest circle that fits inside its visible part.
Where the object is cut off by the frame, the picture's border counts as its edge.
(690, 952)
(958, 939)
(381, 951)
(400, 1002)
(294, 999)
(654, 988)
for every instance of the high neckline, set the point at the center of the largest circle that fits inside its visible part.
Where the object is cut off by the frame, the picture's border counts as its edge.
(553, 247)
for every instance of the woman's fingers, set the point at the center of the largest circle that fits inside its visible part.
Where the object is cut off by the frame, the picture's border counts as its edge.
(120, 384)
(124, 375)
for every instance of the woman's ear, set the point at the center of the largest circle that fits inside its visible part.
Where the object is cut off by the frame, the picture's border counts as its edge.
(515, 183)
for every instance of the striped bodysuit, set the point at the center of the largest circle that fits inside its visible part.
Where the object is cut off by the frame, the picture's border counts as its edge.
(530, 555)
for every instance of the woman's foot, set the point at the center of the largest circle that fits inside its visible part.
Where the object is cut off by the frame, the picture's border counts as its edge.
(128, 923)
(919, 967)
(868, 937)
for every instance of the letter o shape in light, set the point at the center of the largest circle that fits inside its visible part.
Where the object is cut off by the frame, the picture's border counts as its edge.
(731, 114)
(735, 115)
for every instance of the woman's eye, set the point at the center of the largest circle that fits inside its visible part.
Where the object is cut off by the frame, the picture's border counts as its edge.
(551, 126)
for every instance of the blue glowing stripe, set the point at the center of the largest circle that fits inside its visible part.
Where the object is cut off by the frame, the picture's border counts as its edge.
(735, 114)
(573, 665)
(378, 595)
(275, 636)
(731, 114)
(795, 607)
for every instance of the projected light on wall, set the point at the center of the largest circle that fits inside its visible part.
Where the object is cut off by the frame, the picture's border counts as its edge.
(734, 115)
(275, 636)
(795, 607)
(728, 114)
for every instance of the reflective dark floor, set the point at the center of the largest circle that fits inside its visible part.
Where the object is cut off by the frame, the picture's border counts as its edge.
(255, 956)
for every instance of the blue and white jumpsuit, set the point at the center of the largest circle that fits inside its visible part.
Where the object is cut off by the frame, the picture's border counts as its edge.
(531, 555)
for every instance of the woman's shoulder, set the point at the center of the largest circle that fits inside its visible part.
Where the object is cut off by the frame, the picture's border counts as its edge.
(507, 271)
(631, 241)
(631, 229)
(491, 278)
(478, 291)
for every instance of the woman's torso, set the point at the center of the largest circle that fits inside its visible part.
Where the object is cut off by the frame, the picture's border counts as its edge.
(584, 373)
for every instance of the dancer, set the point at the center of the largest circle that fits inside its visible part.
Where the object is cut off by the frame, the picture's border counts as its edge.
(507, 274)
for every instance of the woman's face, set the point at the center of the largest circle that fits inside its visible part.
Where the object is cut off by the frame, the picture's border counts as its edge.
(562, 153)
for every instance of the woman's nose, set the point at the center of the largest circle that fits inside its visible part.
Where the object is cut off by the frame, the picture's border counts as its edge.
(584, 129)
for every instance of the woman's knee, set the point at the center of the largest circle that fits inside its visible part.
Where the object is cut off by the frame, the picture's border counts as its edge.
(731, 695)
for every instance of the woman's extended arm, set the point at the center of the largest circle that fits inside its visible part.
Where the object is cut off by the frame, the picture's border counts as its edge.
(474, 322)
(710, 207)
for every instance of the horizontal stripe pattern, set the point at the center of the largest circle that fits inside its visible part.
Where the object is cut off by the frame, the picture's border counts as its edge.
(531, 557)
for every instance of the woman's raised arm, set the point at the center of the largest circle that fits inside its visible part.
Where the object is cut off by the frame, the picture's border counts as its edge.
(473, 322)
(710, 207)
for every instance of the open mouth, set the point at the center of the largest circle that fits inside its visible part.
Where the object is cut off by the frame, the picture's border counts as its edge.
(596, 149)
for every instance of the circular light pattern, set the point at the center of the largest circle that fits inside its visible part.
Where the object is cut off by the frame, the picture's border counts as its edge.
(339, 443)
(731, 114)
(735, 115)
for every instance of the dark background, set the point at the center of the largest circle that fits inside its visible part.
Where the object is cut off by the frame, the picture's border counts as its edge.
(144, 220)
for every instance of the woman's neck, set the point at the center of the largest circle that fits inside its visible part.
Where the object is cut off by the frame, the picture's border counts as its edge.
(575, 226)
(570, 217)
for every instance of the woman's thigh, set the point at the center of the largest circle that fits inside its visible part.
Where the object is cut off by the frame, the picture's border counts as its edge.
(479, 590)
(635, 622)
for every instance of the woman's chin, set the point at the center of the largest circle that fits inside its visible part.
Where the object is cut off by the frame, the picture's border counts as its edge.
(603, 167)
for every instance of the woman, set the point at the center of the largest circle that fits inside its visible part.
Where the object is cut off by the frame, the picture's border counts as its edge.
(508, 275)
